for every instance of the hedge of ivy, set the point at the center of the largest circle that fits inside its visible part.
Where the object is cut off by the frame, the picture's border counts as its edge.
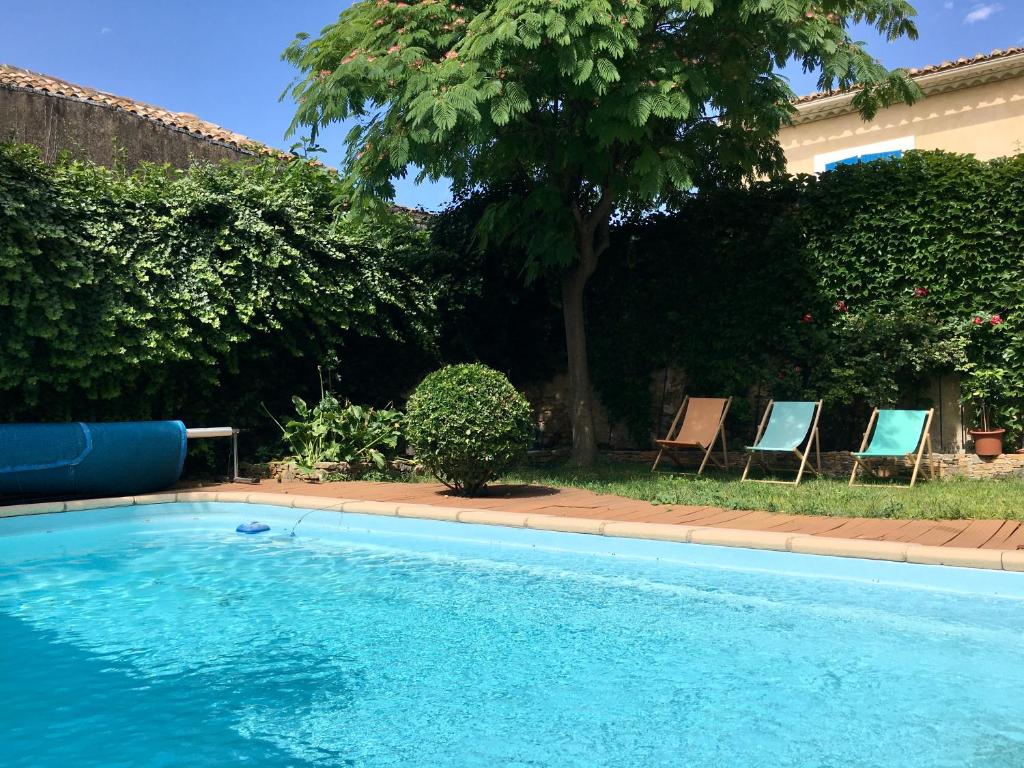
(856, 286)
(198, 294)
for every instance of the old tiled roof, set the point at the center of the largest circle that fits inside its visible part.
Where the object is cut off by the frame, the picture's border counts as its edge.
(929, 70)
(26, 80)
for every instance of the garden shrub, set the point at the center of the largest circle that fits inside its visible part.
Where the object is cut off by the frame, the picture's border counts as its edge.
(467, 423)
(336, 431)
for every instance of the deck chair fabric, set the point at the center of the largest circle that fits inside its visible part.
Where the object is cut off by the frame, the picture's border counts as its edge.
(700, 423)
(787, 427)
(895, 434)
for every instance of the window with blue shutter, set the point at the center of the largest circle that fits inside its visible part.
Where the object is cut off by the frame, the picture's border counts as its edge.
(865, 159)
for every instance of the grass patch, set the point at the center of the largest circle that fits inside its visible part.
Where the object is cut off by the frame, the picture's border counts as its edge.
(954, 499)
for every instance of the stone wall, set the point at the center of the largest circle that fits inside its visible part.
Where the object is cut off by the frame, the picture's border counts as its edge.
(838, 464)
(100, 133)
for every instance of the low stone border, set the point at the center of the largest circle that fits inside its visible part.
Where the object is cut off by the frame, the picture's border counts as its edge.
(802, 543)
(837, 464)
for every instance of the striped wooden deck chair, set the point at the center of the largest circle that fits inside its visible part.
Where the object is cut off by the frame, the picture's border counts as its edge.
(787, 427)
(699, 423)
(896, 434)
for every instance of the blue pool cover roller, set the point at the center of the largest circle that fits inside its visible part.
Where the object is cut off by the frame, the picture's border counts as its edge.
(79, 459)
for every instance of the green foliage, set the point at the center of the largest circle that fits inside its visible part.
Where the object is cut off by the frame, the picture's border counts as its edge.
(945, 223)
(878, 357)
(467, 424)
(583, 106)
(191, 294)
(334, 431)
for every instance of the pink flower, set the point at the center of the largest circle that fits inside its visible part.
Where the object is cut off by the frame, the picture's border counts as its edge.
(997, 320)
(841, 306)
(920, 292)
(807, 318)
(394, 49)
(451, 54)
(978, 320)
(325, 73)
(379, 23)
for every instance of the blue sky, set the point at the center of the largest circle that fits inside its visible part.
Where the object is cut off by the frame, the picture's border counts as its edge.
(220, 59)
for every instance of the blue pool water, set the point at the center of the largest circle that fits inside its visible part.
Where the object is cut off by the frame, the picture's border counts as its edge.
(157, 636)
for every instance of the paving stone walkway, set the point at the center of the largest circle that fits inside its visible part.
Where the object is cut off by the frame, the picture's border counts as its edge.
(573, 502)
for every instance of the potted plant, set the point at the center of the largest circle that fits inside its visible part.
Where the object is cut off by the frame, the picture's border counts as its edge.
(979, 390)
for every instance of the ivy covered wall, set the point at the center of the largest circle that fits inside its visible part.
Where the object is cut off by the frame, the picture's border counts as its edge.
(856, 287)
(198, 294)
(201, 294)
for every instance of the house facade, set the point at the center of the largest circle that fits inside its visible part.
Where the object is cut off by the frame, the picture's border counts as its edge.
(972, 106)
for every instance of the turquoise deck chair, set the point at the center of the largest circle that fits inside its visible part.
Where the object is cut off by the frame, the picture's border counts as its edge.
(896, 434)
(787, 427)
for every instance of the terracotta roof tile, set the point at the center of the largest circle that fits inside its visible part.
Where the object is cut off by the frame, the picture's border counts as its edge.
(24, 79)
(928, 70)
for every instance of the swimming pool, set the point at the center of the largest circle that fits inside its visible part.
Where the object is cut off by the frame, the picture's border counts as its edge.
(157, 636)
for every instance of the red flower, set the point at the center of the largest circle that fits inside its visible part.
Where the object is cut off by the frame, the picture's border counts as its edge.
(978, 321)
(841, 306)
(997, 320)
(807, 318)
(920, 292)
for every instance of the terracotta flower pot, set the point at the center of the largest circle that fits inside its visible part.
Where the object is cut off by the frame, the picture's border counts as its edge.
(987, 442)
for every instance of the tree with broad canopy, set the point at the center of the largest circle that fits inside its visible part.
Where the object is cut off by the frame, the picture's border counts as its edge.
(574, 111)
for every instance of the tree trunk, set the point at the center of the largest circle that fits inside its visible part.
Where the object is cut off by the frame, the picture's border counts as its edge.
(592, 239)
(581, 411)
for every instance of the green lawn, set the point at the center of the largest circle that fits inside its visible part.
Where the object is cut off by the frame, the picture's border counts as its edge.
(941, 499)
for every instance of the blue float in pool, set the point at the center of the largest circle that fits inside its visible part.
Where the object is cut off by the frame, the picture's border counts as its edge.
(252, 527)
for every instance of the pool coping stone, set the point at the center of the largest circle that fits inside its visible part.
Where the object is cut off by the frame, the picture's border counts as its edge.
(801, 543)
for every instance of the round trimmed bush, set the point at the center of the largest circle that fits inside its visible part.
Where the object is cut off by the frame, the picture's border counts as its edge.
(467, 423)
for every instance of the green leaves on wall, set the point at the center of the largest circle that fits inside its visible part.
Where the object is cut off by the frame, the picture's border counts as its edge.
(195, 294)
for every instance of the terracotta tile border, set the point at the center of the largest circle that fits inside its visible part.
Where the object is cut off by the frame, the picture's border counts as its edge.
(802, 543)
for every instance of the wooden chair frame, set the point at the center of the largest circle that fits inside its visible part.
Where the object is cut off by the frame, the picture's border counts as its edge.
(924, 442)
(813, 438)
(708, 449)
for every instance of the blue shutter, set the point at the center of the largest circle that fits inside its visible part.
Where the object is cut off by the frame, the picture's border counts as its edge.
(855, 159)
